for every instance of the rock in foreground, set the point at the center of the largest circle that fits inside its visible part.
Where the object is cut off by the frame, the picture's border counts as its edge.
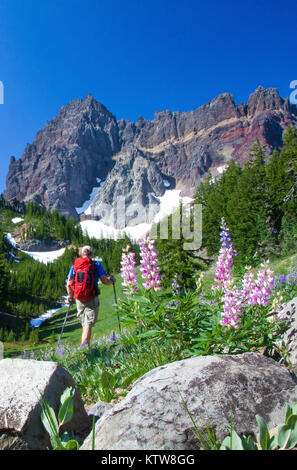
(216, 390)
(21, 382)
(290, 336)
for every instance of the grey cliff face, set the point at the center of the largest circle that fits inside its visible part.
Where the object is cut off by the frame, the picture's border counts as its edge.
(130, 188)
(85, 142)
(62, 164)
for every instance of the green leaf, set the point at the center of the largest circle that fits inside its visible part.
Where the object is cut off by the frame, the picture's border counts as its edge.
(292, 441)
(68, 392)
(273, 443)
(93, 433)
(226, 444)
(292, 423)
(283, 436)
(56, 443)
(66, 411)
(49, 420)
(150, 333)
(249, 443)
(294, 409)
(58, 447)
(264, 433)
(143, 300)
(236, 443)
(288, 413)
(72, 445)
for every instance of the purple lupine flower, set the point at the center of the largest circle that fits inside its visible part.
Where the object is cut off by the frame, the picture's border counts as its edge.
(32, 356)
(60, 350)
(231, 296)
(226, 241)
(282, 279)
(112, 337)
(225, 259)
(25, 355)
(128, 271)
(175, 285)
(292, 278)
(150, 265)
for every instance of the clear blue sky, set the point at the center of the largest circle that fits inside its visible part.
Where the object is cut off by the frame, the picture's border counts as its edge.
(136, 57)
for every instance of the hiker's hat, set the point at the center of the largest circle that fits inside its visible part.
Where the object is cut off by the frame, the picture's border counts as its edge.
(86, 250)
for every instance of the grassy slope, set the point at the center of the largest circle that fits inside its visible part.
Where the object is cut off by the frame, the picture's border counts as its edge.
(50, 330)
(107, 318)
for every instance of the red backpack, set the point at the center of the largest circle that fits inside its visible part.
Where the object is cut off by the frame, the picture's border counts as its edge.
(83, 284)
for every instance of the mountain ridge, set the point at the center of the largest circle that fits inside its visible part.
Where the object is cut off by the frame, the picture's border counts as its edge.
(85, 142)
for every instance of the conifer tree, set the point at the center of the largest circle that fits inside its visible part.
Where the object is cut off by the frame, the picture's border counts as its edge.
(208, 194)
(175, 260)
(274, 178)
(288, 161)
(246, 207)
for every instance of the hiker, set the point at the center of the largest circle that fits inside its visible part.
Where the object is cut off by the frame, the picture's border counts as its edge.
(82, 284)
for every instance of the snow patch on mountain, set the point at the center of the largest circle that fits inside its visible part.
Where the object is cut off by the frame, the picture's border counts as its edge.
(168, 203)
(86, 207)
(42, 256)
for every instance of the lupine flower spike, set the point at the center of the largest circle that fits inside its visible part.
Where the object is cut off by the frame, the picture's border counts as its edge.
(128, 271)
(150, 265)
(225, 260)
(232, 300)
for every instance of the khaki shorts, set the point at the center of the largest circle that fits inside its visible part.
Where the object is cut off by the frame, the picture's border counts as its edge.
(87, 312)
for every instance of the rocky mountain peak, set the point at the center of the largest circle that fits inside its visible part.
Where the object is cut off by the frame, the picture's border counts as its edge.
(77, 145)
(85, 143)
(264, 99)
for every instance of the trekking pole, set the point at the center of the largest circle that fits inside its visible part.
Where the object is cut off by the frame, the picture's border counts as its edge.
(116, 301)
(65, 319)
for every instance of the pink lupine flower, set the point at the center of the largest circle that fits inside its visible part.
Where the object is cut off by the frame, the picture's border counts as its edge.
(224, 267)
(128, 271)
(225, 260)
(149, 265)
(254, 291)
(231, 298)
(248, 284)
(232, 308)
(258, 291)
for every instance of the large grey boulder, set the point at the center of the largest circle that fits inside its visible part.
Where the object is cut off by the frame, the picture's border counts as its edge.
(21, 383)
(289, 339)
(216, 391)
